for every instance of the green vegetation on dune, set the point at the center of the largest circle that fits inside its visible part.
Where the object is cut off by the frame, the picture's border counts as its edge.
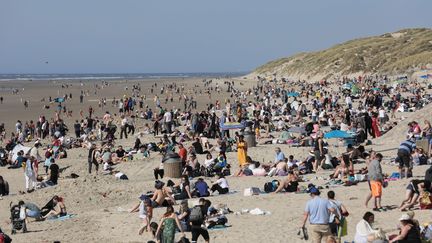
(391, 53)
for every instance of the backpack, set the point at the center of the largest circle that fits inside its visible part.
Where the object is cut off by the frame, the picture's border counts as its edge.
(196, 215)
(271, 186)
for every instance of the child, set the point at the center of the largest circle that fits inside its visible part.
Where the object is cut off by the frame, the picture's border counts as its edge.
(145, 212)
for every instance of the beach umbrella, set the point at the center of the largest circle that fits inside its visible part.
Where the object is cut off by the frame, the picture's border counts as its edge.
(347, 86)
(300, 130)
(337, 134)
(293, 94)
(375, 89)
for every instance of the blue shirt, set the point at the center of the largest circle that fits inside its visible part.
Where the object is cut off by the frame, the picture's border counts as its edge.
(279, 157)
(318, 210)
(202, 188)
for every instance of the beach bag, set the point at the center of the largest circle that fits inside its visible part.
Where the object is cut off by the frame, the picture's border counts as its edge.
(196, 215)
(425, 201)
(271, 186)
(303, 233)
(251, 191)
(343, 228)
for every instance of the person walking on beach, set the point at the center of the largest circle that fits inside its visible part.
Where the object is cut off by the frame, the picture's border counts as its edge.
(241, 151)
(376, 181)
(169, 222)
(123, 126)
(30, 174)
(336, 218)
(318, 211)
(92, 158)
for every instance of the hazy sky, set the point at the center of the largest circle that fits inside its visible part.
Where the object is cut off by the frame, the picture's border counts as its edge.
(95, 36)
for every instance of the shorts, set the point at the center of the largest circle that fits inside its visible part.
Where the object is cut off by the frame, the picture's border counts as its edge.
(34, 214)
(197, 231)
(404, 159)
(156, 205)
(376, 188)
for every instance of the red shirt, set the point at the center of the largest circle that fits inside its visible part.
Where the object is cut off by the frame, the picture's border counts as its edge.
(183, 154)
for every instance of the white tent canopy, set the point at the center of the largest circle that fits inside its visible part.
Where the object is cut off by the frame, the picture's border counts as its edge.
(18, 148)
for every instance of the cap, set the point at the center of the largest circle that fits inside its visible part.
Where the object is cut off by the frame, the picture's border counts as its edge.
(404, 217)
(143, 197)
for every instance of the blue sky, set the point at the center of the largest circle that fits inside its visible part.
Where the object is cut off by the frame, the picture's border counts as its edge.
(119, 36)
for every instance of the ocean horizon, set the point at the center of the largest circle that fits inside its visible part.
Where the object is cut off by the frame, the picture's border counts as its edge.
(113, 76)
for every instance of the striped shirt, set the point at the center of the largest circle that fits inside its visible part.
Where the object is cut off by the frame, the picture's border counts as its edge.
(407, 146)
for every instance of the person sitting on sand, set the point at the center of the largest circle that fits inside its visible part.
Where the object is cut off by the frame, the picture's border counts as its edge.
(183, 187)
(161, 196)
(221, 185)
(289, 184)
(54, 208)
(192, 167)
(201, 188)
(18, 161)
(413, 191)
(364, 229)
(145, 209)
(4, 187)
(30, 210)
(61, 153)
(119, 155)
(342, 169)
(409, 231)
(53, 174)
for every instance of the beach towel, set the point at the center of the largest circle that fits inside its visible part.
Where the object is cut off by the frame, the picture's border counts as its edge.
(61, 218)
(219, 227)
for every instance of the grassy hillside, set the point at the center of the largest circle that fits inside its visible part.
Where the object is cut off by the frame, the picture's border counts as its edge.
(393, 53)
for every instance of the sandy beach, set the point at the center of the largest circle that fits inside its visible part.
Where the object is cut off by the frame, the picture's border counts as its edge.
(99, 202)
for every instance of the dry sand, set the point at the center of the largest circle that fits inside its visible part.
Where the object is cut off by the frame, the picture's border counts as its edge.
(96, 200)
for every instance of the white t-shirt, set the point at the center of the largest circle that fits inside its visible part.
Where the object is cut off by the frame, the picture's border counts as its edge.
(208, 162)
(381, 113)
(222, 182)
(167, 117)
(124, 121)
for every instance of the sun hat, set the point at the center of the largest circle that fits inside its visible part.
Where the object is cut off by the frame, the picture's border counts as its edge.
(404, 216)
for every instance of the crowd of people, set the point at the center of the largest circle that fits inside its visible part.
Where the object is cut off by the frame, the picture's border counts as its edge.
(276, 111)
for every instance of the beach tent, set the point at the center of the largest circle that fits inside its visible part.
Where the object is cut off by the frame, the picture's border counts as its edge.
(18, 148)
(337, 134)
